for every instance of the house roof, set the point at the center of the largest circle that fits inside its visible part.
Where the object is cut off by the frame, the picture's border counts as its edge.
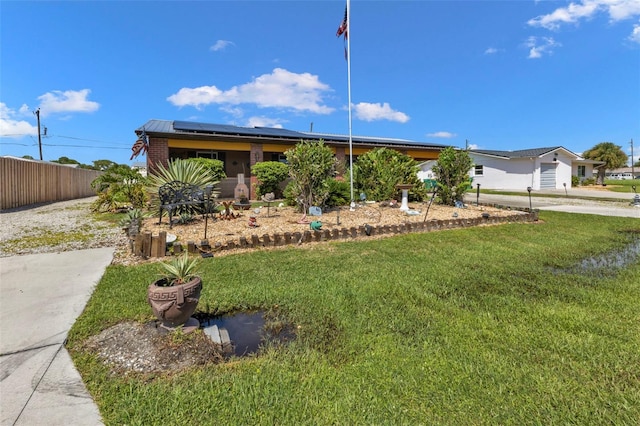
(193, 129)
(522, 153)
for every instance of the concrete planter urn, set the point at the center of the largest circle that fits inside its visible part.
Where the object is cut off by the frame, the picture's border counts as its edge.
(174, 297)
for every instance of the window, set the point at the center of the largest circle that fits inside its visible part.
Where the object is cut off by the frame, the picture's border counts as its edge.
(282, 158)
(582, 171)
(207, 154)
(479, 170)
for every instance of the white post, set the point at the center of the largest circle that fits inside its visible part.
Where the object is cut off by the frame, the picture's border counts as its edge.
(353, 203)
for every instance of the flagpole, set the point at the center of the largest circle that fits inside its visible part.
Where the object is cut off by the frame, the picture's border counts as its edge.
(353, 204)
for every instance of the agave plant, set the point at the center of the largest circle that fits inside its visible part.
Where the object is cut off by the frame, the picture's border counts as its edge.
(132, 216)
(180, 270)
(187, 171)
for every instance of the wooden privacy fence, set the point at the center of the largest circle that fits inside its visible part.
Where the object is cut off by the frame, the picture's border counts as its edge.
(24, 182)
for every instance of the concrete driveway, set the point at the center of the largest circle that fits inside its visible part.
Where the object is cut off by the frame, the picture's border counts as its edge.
(41, 296)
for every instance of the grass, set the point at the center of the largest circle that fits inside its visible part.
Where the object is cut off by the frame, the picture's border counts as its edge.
(623, 185)
(468, 326)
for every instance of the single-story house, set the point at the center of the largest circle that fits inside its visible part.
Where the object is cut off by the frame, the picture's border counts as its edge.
(242, 147)
(538, 168)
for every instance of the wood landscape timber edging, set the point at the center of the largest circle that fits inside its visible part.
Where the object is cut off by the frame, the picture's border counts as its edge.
(146, 245)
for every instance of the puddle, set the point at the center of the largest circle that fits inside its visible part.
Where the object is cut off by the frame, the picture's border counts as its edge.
(247, 331)
(607, 263)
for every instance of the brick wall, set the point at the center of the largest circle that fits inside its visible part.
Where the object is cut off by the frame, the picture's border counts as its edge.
(158, 153)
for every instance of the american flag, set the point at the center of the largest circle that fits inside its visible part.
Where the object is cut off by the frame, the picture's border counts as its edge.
(140, 146)
(342, 29)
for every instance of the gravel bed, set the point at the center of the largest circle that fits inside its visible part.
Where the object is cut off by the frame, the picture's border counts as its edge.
(55, 227)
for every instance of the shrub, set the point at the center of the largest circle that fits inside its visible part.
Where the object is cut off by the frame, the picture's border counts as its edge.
(215, 167)
(118, 187)
(575, 181)
(377, 172)
(452, 175)
(311, 164)
(270, 174)
(339, 193)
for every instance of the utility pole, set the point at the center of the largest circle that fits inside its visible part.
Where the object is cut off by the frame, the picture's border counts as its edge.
(37, 113)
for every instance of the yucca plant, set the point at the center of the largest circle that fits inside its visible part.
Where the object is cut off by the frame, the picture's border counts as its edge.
(187, 171)
(180, 270)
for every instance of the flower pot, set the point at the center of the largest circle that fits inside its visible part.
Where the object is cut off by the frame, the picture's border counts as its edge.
(174, 305)
(242, 206)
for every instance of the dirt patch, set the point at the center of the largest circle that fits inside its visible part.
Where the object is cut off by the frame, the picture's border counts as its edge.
(282, 219)
(131, 347)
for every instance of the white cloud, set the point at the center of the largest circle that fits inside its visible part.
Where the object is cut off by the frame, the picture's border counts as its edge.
(221, 45)
(618, 10)
(635, 34)
(491, 51)
(444, 135)
(235, 112)
(67, 101)
(373, 112)
(621, 9)
(539, 46)
(280, 89)
(564, 15)
(12, 126)
(473, 146)
(264, 122)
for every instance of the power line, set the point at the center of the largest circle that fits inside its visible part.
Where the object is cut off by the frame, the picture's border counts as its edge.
(88, 140)
(84, 146)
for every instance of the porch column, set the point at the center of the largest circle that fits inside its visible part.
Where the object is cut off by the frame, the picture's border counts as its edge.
(341, 156)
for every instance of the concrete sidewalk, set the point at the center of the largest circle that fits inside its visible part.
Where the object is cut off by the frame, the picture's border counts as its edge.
(40, 298)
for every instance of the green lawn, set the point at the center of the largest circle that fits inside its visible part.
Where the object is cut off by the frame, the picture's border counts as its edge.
(623, 185)
(460, 327)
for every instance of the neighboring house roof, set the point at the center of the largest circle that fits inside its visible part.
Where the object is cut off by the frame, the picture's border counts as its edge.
(522, 153)
(175, 128)
(624, 170)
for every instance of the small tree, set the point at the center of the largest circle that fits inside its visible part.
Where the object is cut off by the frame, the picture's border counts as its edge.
(377, 172)
(452, 175)
(311, 164)
(610, 153)
(270, 174)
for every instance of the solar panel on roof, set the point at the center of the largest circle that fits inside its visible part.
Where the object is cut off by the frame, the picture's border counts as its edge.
(235, 130)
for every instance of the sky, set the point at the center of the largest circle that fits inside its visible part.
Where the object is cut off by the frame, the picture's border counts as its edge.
(500, 75)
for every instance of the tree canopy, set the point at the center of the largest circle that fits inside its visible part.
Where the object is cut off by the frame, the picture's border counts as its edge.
(611, 154)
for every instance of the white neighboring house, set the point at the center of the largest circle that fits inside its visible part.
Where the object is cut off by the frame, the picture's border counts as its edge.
(425, 170)
(538, 168)
(140, 167)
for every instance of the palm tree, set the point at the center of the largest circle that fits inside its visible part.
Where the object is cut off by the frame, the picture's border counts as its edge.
(608, 152)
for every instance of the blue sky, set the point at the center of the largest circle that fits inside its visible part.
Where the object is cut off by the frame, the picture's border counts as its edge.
(501, 75)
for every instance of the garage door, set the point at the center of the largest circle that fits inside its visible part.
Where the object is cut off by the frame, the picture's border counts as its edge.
(547, 176)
